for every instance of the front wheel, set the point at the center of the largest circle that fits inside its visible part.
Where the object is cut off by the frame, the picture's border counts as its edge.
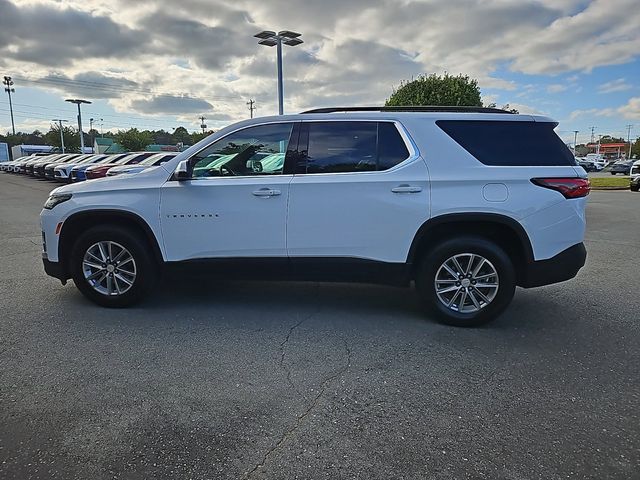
(112, 266)
(635, 188)
(466, 281)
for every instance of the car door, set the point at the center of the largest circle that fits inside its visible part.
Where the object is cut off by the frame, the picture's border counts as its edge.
(361, 190)
(235, 203)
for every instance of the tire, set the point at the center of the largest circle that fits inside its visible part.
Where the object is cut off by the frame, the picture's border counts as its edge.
(613, 173)
(143, 266)
(477, 312)
(634, 188)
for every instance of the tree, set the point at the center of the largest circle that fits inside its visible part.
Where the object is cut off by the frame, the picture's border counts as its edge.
(70, 135)
(181, 135)
(609, 139)
(635, 148)
(445, 90)
(133, 140)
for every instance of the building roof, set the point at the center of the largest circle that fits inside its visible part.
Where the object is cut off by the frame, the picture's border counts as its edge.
(114, 148)
(104, 141)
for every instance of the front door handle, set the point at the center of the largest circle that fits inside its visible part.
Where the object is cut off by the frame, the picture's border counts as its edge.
(406, 189)
(266, 192)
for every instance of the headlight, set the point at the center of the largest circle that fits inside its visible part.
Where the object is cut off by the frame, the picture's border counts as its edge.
(54, 200)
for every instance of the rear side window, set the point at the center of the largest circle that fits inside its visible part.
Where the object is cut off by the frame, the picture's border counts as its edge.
(335, 147)
(509, 143)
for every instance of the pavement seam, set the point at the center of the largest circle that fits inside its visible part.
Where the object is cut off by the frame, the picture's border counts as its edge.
(300, 419)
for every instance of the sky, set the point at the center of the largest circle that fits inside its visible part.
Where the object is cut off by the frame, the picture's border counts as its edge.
(161, 63)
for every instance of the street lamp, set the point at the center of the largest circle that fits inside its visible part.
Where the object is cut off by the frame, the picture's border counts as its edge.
(61, 136)
(78, 101)
(273, 39)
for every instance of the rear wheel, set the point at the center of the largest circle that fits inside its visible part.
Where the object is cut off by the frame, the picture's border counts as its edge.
(635, 188)
(112, 266)
(467, 281)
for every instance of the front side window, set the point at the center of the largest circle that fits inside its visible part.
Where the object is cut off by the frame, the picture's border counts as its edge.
(258, 150)
(335, 147)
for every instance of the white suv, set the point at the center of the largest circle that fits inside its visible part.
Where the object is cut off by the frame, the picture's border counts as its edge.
(467, 202)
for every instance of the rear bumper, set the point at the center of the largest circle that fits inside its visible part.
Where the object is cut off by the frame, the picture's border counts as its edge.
(559, 268)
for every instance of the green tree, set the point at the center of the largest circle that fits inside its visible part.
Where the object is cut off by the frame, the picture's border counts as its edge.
(609, 139)
(181, 135)
(439, 90)
(635, 148)
(70, 135)
(133, 140)
(197, 136)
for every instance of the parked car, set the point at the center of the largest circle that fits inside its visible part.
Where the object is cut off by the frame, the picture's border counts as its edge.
(29, 166)
(62, 172)
(589, 165)
(38, 167)
(78, 174)
(635, 176)
(621, 166)
(48, 168)
(151, 161)
(468, 203)
(99, 171)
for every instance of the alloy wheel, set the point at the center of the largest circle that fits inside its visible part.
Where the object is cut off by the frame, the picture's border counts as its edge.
(109, 268)
(466, 283)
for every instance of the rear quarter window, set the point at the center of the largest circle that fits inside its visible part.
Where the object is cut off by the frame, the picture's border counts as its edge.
(509, 143)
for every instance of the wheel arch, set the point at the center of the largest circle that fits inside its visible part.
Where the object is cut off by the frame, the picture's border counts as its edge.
(507, 232)
(83, 220)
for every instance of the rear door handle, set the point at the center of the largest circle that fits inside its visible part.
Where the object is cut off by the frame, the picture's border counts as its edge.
(406, 189)
(266, 192)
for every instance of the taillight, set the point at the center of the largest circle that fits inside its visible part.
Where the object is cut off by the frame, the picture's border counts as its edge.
(569, 187)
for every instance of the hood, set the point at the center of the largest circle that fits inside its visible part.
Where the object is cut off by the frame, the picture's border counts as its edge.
(151, 177)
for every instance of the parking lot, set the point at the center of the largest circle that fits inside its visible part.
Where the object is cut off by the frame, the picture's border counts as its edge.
(210, 380)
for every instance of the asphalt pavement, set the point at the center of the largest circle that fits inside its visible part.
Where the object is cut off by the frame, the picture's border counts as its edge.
(215, 380)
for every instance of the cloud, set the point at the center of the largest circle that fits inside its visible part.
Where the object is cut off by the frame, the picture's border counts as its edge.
(172, 105)
(46, 35)
(619, 85)
(630, 110)
(90, 84)
(556, 88)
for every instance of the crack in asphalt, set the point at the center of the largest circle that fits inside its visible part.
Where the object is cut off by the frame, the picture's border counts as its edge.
(300, 419)
(283, 353)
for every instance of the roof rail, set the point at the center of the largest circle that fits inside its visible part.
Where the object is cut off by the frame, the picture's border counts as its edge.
(454, 109)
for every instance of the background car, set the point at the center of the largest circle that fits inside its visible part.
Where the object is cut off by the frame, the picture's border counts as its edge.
(152, 161)
(99, 171)
(588, 165)
(621, 166)
(635, 176)
(62, 171)
(78, 173)
(49, 167)
(28, 166)
(38, 168)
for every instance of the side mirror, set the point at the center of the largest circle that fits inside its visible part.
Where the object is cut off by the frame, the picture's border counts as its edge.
(182, 171)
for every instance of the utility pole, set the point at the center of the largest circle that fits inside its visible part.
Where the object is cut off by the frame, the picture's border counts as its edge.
(9, 89)
(203, 125)
(78, 101)
(252, 106)
(629, 127)
(61, 136)
(592, 134)
(93, 140)
(575, 141)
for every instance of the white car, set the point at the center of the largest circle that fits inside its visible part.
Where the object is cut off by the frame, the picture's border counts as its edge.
(468, 203)
(62, 171)
(152, 161)
(635, 176)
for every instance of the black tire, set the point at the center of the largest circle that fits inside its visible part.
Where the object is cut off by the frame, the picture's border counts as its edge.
(431, 263)
(613, 173)
(145, 265)
(635, 188)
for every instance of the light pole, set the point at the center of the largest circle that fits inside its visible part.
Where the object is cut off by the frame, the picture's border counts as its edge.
(8, 82)
(575, 141)
(61, 136)
(273, 39)
(78, 101)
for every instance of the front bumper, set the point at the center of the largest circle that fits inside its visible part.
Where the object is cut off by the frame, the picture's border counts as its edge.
(559, 268)
(55, 269)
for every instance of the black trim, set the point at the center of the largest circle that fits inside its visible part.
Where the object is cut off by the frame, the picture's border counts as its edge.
(54, 269)
(559, 268)
(459, 218)
(453, 109)
(93, 214)
(315, 269)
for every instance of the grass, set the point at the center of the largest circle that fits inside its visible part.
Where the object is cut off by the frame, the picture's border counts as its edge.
(609, 182)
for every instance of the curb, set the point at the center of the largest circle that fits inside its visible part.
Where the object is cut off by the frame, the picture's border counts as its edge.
(609, 188)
